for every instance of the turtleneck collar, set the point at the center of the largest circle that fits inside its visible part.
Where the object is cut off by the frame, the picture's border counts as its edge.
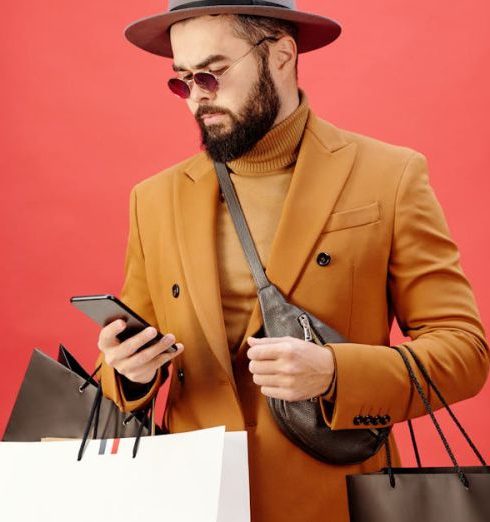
(278, 149)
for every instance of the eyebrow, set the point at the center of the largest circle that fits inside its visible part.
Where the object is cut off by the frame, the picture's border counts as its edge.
(208, 61)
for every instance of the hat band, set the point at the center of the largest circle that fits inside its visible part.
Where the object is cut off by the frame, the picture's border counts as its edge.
(213, 3)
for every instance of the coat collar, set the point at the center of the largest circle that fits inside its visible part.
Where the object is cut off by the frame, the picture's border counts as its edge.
(324, 162)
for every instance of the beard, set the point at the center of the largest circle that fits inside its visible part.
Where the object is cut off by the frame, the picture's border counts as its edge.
(256, 119)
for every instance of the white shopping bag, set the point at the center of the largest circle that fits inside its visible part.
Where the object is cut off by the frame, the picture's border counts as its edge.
(199, 476)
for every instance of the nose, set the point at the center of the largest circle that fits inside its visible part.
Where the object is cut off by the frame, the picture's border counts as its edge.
(198, 95)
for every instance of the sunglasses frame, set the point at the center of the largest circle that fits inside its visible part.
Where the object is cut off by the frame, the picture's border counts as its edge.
(202, 78)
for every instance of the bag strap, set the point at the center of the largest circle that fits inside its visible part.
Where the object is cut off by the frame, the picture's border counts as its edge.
(93, 419)
(94, 414)
(414, 443)
(241, 226)
(147, 415)
(432, 384)
(90, 379)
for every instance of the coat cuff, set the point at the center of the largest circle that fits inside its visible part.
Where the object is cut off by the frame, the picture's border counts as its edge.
(327, 400)
(136, 396)
(329, 394)
(358, 393)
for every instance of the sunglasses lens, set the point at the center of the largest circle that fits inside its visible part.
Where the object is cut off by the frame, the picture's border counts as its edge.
(206, 81)
(179, 87)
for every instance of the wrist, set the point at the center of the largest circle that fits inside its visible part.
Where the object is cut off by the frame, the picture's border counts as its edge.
(327, 391)
(135, 390)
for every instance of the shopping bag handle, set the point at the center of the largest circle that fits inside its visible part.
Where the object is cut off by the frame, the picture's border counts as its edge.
(94, 415)
(432, 384)
(429, 410)
(93, 420)
(90, 379)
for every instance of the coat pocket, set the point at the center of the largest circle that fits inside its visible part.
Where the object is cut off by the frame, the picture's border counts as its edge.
(353, 217)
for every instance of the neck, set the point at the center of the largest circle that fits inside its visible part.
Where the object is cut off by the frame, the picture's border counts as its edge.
(288, 106)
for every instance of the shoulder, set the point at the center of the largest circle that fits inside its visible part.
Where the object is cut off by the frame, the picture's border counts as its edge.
(164, 178)
(371, 152)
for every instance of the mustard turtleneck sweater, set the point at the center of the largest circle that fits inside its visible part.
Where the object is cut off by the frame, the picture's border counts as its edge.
(261, 178)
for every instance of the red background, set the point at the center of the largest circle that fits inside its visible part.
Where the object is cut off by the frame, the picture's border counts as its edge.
(86, 115)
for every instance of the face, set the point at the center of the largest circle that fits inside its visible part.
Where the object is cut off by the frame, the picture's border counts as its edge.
(246, 104)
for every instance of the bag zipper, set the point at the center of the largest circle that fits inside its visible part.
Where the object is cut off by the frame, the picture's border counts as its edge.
(309, 333)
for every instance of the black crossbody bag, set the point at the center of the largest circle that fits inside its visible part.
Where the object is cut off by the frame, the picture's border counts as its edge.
(301, 421)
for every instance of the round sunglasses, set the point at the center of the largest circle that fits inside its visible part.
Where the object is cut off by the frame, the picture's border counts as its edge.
(206, 80)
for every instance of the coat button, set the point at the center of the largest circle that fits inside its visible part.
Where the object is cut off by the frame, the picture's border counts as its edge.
(324, 259)
(375, 420)
(385, 419)
(221, 197)
(181, 375)
(357, 420)
(367, 420)
(175, 290)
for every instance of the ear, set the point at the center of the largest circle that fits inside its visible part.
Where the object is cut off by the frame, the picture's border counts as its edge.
(283, 54)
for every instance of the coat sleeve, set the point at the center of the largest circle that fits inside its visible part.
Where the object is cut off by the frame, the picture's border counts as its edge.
(434, 306)
(136, 295)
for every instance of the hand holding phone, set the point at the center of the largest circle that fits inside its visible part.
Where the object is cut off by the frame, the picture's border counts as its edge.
(130, 345)
(129, 359)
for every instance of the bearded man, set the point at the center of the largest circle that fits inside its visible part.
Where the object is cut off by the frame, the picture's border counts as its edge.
(347, 227)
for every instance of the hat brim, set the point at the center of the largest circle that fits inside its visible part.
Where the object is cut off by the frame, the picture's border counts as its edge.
(152, 33)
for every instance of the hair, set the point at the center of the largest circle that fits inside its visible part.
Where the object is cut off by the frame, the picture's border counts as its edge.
(252, 28)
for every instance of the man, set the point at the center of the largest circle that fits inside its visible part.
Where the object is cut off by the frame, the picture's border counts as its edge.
(347, 227)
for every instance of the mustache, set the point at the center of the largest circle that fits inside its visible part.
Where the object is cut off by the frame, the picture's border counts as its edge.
(203, 110)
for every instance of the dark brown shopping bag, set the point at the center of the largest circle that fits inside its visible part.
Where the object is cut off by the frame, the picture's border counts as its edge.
(58, 399)
(457, 494)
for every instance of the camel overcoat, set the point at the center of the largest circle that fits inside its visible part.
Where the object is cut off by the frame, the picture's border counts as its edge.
(367, 204)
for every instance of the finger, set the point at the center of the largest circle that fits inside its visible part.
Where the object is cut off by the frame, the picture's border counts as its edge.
(160, 348)
(267, 367)
(266, 340)
(131, 345)
(164, 358)
(273, 381)
(136, 372)
(266, 352)
(278, 393)
(115, 355)
(107, 336)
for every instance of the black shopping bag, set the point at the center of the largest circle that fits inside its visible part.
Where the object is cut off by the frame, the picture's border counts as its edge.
(457, 494)
(57, 399)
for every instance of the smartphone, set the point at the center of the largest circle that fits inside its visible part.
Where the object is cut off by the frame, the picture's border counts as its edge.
(105, 309)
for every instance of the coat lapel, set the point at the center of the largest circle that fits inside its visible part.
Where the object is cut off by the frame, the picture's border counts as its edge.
(323, 166)
(196, 197)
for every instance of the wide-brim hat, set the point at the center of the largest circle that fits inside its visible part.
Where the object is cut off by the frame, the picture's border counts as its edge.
(152, 33)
